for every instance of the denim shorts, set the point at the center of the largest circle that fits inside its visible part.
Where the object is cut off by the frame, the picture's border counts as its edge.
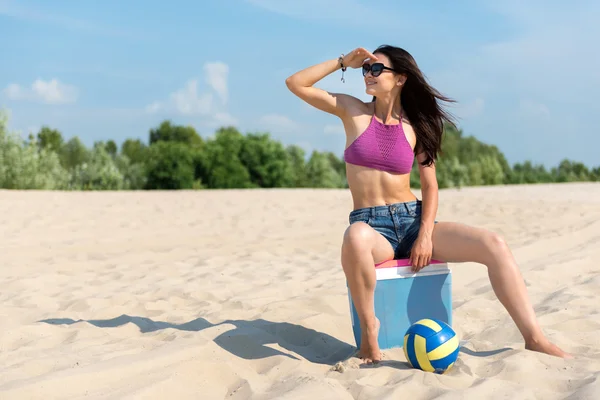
(399, 223)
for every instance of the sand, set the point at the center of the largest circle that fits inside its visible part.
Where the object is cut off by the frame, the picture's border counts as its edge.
(240, 295)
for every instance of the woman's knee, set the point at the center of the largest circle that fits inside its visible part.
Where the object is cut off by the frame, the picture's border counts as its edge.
(495, 244)
(358, 236)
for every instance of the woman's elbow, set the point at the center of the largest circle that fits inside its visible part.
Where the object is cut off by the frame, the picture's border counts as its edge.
(291, 84)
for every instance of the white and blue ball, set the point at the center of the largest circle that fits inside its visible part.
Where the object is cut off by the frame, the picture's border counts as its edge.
(431, 345)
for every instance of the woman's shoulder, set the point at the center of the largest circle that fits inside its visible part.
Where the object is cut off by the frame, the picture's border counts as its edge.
(354, 107)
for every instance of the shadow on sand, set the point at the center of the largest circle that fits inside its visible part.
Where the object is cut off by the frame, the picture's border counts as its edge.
(248, 339)
(488, 353)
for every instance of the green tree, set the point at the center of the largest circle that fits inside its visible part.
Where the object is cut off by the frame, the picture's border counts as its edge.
(296, 155)
(492, 172)
(168, 132)
(571, 171)
(321, 173)
(73, 153)
(451, 173)
(451, 138)
(170, 165)
(339, 166)
(266, 161)
(98, 172)
(50, 139)
(481, 160)
(595, 174)
(134, 150)
(528, 173)
(134, 174)
(111, 147)
(220, 164)
(26, 166)
(177, 158)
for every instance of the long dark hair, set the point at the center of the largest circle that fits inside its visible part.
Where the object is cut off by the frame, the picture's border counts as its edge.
(420, 103)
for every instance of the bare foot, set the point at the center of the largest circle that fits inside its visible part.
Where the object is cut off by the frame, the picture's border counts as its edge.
(371, 352)
(545, 346)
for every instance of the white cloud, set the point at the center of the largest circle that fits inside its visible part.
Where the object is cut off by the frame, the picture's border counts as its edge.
(279, 123)
(154, 107)
(187, 101)
(193, 100)
(54, 92)
(334, 129)
(49, 92)
(224, 119)
(14, 91)
(216, 77)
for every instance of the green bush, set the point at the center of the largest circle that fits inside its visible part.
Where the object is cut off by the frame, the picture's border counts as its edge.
(98, 173)
(170, 165)
(24, 166)
(177, 157)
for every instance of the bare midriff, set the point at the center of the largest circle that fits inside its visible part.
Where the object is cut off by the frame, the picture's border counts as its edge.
(371, 187)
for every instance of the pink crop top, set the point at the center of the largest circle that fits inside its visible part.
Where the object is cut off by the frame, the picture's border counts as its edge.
(383, 147)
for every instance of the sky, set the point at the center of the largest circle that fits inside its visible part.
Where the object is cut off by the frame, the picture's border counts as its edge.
(525, 74)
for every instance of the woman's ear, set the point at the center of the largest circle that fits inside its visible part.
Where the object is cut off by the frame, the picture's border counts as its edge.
(401, 80)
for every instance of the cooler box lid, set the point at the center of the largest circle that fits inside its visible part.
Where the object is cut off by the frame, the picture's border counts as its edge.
(395, 269)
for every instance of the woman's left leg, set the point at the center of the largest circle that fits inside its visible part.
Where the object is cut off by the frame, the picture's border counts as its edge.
(455, 242)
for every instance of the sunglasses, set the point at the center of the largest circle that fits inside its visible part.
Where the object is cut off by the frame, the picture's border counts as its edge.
(376, 69)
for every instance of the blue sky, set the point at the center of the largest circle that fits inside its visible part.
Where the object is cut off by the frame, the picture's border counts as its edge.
(525, 74)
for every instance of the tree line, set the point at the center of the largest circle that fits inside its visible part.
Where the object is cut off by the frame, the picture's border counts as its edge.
(177, 157)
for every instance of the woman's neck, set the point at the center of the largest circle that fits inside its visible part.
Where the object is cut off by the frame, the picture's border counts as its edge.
(388, 108)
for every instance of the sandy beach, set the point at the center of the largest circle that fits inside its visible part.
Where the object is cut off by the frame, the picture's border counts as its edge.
(239, 294)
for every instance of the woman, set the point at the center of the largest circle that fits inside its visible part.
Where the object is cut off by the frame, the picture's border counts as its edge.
(404, 122)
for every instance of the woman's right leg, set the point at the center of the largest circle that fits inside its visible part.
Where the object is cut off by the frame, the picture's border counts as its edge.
(362, 248)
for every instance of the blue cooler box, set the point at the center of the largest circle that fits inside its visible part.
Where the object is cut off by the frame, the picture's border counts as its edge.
(403, 297)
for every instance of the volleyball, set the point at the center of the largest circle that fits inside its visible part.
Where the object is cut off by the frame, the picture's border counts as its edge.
(431, 345)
